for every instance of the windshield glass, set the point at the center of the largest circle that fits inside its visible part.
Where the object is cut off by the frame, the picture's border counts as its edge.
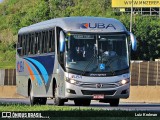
(97, 53)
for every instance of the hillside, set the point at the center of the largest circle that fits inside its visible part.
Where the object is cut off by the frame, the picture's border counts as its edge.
(15, 14)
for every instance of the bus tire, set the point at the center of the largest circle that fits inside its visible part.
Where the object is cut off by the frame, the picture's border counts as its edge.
(114, 102)
(42, 100)
(82, 102)
(58, 101)
(86, 102)
(78, 102)
(33, 100)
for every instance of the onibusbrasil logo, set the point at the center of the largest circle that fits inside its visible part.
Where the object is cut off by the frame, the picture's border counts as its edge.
(22, 115)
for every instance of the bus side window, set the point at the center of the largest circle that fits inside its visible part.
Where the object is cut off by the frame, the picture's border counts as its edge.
(36, 43)
(19, 45)
(51, 41)
(30, 44)
(46, 42)
(43, 41)
(33, 36)
(23, 45)
(39, 41)
(27, 44)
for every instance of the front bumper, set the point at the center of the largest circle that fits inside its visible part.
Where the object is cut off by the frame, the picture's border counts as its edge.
(73, 92)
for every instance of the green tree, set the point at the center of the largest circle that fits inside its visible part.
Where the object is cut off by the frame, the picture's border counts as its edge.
(15, 14)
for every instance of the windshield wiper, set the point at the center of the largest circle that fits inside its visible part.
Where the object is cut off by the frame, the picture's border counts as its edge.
(110, 66)
(89, 63)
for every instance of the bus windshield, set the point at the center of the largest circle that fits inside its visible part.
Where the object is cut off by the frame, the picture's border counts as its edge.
(96, 53)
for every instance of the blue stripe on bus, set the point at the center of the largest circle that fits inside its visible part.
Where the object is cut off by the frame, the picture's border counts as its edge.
(35, 74)
(41, 69)
(47, 61)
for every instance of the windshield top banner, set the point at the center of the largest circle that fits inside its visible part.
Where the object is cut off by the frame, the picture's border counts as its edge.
(136, 3)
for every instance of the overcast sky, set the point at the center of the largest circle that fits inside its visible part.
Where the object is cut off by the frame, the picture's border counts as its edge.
(1, 0)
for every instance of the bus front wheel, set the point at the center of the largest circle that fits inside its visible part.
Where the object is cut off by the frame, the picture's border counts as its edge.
(36, 100)
(33, 100)
(81, 102)
(42, 100)
(58, 101)
(114, 102)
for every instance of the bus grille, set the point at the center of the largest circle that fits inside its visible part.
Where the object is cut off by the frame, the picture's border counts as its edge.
(89, 92)
(88, 85)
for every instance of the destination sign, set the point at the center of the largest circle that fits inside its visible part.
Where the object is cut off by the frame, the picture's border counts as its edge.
(80, 36)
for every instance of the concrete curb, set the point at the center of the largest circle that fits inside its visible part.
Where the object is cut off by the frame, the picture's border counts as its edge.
(9, 92)
(145, 94)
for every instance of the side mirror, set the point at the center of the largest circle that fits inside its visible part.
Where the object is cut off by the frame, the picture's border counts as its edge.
(62, 41)
(133, 42)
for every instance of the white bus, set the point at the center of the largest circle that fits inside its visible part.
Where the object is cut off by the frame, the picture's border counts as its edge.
(74, 58)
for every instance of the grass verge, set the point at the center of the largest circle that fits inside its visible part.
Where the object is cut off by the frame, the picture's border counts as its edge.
(71, 113)
(7, 65)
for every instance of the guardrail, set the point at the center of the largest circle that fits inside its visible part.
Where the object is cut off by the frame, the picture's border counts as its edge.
(142, 74)
(145, 73)
(8, 77)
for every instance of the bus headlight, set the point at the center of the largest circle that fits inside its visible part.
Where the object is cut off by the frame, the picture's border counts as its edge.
(72, 81)
(123, 82)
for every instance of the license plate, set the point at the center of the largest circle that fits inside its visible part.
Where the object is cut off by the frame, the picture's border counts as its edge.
(98, 96)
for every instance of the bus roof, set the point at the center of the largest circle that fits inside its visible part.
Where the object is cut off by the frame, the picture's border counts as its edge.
(78, 24)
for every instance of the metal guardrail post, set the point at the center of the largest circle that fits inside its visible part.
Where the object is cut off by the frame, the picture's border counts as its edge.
(131, 74)
(139, 71)
(12, 75)
(147, 72)
(8, 77)
(157, 73)
(1, 78)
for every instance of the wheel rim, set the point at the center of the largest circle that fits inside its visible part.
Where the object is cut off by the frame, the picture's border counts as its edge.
(31, 96)
(55, 94)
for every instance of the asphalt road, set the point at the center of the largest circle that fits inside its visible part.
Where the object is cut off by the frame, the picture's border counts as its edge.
(151, 107)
